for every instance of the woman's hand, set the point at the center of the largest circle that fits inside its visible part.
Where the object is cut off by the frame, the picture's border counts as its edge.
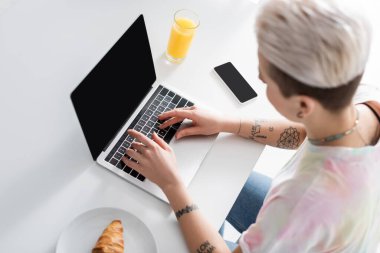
(203, 122)
(155, 160)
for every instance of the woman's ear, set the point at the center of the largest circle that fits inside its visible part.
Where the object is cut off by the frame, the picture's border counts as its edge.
(305, 106)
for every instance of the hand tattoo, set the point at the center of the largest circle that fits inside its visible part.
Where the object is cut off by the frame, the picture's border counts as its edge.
(255, 130)
(206, 247)
(289, 139)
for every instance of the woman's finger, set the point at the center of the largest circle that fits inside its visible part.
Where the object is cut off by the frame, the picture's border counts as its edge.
(133, 165)
(185, 112)
(142, 138)
(170, 122)
(139, 147)
(134, 154)
(188, 131)
(160, 141)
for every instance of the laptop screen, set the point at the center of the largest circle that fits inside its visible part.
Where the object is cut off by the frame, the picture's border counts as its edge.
(113, 89)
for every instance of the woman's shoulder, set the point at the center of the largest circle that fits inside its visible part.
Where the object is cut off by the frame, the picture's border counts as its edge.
(316, 176)
(369, 95)
(367, 92)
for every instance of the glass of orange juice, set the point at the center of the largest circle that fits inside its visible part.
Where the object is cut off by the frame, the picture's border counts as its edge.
(182, 33)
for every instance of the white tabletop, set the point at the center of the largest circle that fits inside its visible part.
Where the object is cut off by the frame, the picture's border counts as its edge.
(47, 174)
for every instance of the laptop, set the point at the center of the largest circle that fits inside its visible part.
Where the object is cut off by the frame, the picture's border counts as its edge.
(120, 93)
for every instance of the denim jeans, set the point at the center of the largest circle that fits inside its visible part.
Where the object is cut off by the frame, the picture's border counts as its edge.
(247, 205)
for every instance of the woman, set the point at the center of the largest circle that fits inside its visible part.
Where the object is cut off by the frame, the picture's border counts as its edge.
(312, 54)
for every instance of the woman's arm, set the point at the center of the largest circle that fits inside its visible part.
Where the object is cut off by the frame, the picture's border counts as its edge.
(199, 235)
(156, 160)
(277, 133)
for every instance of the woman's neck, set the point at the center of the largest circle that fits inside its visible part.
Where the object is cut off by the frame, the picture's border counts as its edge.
(327, 124)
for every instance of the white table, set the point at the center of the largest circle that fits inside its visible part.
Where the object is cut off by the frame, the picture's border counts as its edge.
(47, 174)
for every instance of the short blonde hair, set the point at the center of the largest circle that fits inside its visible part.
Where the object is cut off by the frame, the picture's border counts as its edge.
(318, 42)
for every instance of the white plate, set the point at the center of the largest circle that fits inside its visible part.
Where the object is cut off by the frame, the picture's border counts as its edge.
(81, 234)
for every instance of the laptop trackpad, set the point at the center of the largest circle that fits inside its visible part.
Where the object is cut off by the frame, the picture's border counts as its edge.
(190, 152)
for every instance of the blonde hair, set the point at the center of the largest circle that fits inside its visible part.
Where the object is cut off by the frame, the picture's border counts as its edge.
(317, 42)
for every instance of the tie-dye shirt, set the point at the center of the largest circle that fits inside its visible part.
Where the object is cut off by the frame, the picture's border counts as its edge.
(325, 199)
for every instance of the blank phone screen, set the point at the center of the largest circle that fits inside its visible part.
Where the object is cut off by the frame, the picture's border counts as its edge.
(235, 81)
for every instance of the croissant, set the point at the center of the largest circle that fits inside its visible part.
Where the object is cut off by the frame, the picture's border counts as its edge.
(111, 240)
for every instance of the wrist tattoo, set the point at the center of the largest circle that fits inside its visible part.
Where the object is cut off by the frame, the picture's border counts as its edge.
(185, 210)
(206, 247)
(238, 132)
(255, 130)
(289, 139)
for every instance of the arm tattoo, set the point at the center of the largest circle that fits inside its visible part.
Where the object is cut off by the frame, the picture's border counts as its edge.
(255, 130)
(185, 210)
(205, 247)
(271, 129)
(289, 139)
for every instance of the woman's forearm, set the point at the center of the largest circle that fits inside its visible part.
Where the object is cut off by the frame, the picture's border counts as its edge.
(199, 235)
(277, 133)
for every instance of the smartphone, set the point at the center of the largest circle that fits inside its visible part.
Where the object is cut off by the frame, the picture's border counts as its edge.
(235, 82)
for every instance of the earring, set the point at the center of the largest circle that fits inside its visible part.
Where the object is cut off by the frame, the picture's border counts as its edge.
(300, 115)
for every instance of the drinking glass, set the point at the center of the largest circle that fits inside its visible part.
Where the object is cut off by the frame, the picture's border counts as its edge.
(182, 32)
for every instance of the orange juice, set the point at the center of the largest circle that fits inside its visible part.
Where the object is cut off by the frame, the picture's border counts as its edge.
(181, 35)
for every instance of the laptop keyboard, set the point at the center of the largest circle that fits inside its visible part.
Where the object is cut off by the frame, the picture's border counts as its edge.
(147, 122)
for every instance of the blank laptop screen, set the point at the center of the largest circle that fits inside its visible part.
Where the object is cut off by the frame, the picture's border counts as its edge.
(113, 89)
